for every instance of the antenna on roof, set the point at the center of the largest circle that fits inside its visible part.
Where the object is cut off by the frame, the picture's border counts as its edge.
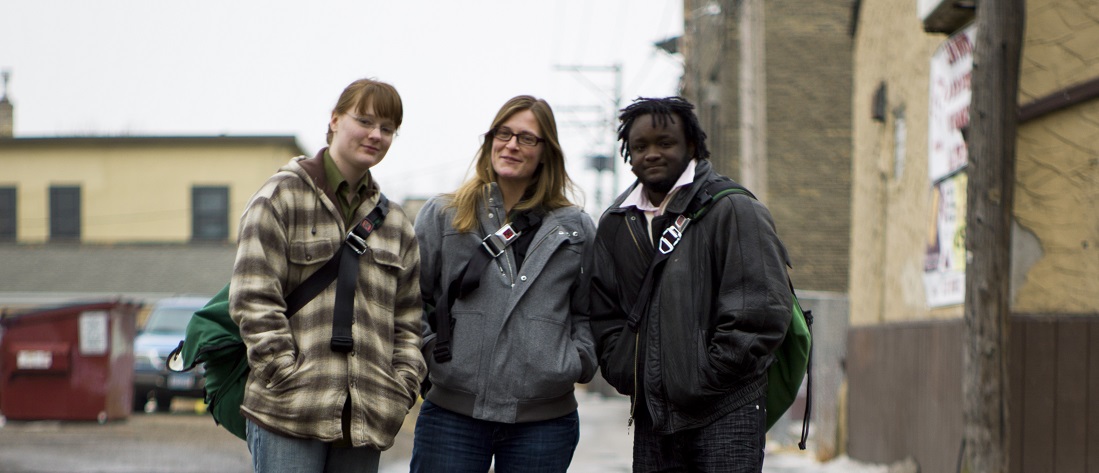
(7, 110)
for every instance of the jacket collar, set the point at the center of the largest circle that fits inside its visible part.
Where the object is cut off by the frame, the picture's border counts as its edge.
(313, 168)
(495, 204)
(683, 198)
(703, 173)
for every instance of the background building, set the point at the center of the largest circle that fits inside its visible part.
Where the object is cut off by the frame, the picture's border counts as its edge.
(772, 84)
(126, 215)
(912, 66)
(778, 75)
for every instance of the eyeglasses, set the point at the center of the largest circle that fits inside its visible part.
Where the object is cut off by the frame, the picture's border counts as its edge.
(525, 139)
(370, 125)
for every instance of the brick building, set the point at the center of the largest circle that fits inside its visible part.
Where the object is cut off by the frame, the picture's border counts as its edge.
(801, 96)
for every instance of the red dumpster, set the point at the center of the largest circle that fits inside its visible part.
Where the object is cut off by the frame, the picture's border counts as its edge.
(71, 362)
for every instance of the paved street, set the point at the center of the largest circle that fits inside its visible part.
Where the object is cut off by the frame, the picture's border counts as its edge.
(185, 442)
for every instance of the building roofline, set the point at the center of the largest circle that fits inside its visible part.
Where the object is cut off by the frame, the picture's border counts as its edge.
(286, 140)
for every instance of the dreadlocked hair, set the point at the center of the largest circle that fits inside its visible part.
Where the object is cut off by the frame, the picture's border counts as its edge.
(664, 111)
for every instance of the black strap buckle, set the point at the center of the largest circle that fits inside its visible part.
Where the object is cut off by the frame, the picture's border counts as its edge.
(342, 344)
(356, 243)
(441, 352)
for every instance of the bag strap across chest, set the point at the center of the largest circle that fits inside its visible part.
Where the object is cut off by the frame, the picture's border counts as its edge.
(469, 278)
(670, 238)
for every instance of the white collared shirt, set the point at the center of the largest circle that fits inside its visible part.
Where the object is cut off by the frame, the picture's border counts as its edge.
(638, 199)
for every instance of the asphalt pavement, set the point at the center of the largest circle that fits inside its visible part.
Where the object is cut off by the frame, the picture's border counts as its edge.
(188, 442)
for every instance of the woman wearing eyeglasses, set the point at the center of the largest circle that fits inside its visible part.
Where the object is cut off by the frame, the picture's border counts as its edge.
(506, 333)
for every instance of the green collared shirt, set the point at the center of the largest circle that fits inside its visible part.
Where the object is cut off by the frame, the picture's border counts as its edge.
(345, 200)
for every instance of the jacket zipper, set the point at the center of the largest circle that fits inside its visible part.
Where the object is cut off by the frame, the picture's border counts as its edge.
(506, 268)
(636, 244)
(633, 400)
(636, 338)
(544, 238)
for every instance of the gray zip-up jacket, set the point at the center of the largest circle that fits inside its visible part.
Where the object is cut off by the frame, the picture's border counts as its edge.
(522, 339)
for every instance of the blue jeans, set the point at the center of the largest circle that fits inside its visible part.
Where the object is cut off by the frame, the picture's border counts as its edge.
(275, 453)
(731, 444)
(454, 443)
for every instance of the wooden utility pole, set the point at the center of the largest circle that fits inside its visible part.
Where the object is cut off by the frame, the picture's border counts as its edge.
(991, 172)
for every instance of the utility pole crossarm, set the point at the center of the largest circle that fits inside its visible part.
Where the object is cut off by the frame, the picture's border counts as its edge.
(614, 102)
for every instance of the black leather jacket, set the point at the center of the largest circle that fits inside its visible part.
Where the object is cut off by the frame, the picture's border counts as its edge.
(722, 306)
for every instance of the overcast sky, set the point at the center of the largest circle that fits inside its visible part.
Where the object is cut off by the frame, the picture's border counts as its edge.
(251, 67)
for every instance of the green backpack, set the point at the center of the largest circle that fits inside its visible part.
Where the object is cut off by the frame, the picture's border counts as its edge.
(792, 359)
(214, 339)
(793, 362)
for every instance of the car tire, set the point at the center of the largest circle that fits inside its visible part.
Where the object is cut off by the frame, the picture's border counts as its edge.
(140, 399)
(163, 403)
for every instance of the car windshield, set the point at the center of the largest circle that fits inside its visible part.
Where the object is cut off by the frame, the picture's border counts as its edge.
(169, 321)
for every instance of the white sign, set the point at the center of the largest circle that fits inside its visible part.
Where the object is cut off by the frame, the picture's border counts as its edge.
(944, 260)
(33, 360)
(948, 107)
(93, 333)
(951, 74)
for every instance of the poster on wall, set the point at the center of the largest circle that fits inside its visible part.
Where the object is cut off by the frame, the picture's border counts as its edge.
(948, 104)
(951, 72)
(944, 261)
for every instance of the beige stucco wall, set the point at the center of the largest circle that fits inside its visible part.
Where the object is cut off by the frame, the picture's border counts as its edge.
(134, 193)
(1057, 208)
(1057, 191)
(1061, 48)
(890, 212)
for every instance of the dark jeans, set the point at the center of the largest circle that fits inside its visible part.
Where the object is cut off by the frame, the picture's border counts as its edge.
(732, 444)
(454, 443)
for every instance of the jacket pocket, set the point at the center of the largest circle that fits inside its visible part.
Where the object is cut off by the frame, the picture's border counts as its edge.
(548, 364)
(306, 254)
(386, 258)
(462, 371)
(691, 378)
(283, 378)
(618, 364)
(380, 272)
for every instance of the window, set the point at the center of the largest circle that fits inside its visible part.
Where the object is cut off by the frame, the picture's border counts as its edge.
(900, 143)
(210, 213)
(64, 212)
(7, 214)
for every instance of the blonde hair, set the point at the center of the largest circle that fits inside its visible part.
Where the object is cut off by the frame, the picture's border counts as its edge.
(548, 188)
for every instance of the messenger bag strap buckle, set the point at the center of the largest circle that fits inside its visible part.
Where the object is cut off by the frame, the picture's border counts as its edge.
(356, 243)
(496, 243)
(671, 236)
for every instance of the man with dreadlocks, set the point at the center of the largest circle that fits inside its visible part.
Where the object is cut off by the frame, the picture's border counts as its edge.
(693, 354)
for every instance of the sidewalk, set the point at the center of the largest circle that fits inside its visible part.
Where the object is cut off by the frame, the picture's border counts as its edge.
(606, 445)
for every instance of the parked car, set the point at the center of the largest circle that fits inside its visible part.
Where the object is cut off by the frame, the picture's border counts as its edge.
(163, 330)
